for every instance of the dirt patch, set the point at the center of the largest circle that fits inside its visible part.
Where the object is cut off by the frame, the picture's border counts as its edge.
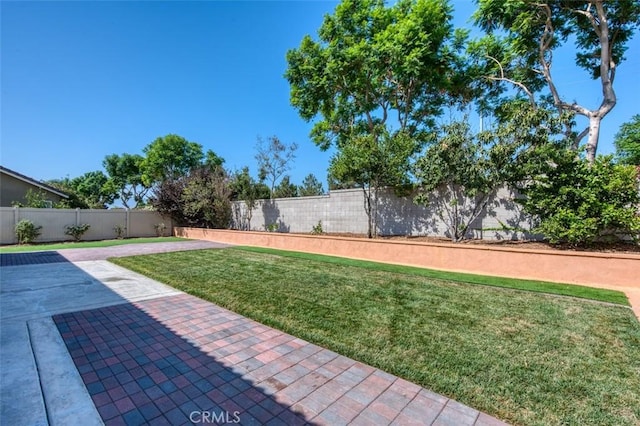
(620, 247)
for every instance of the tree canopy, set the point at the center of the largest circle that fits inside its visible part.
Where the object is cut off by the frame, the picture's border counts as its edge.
(169, 157)
(373, 83)
(125, 178)
(627, 142)
(523, 36)
(274, 159)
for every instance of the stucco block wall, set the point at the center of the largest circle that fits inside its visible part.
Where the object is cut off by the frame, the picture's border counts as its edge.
(343, 211)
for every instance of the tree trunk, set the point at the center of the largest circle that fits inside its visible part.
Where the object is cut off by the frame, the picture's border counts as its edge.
(594, 134)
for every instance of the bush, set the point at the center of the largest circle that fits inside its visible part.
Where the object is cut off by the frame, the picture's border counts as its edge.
(76, 231)
(200, 199)
(160, 229)
(317, 229)
(579, 203)
(27, 231)
(120, 231)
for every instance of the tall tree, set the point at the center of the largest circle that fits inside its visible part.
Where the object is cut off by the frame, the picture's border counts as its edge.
(169, 157)
(74, 201)
(372, 163)
(534, 29)
(125, 178)
(274, 159)
(310, 186)
(460, 173)
(375, 80)
(627, 142)
(213, 160)
(93, 190)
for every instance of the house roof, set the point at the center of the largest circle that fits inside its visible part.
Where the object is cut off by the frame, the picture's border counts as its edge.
(33, 182)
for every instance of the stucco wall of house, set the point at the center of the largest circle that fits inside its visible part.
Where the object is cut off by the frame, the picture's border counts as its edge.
(14, 190)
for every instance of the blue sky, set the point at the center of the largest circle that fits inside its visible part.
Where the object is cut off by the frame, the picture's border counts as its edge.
(81, 80)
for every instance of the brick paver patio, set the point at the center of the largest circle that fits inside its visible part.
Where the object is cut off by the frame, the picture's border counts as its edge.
(181, 360)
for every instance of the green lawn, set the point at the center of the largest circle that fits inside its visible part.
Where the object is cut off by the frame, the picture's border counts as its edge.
(525, 357)
(84, 244)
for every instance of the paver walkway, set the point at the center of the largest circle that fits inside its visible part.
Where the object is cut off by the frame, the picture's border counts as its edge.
(175, 359)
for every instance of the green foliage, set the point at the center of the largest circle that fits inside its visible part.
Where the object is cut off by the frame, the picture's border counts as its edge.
(74, 201)
(170, 157)
(627, 142)
(372, 84)
(160, 229)
(272, 227)
(120, 231)
(311, 186)
(245, 188)
(274, 159)
(76, 231)
(372, 62)
(317, 229)
(213, 160)
(460, 173)
(125, 178)
(93, 190)
(200, 199)
(34, 199)
(285, 189)
(578, 203)
(373, 162)
(517, 53)
(27, 231)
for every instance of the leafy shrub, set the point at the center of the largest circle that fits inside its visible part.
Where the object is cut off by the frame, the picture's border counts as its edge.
(272, 227)
(200, 199)
(27, 231)
(160, 229)
(76, 231)
(317, 229)
(120, 231)
(579, 203)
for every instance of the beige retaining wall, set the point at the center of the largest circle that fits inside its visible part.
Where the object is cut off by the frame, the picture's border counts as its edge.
(603, 270)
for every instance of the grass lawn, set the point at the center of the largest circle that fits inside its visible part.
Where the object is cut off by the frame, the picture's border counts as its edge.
(84, 244)
(525, 357)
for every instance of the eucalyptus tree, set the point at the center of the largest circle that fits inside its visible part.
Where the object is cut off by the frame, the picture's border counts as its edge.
(372, 83)
(523, 36)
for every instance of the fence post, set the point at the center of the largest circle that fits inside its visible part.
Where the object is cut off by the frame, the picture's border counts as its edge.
(16, 219)
(127, 224)
(77, 216)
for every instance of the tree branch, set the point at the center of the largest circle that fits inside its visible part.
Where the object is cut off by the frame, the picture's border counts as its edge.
(508, 80)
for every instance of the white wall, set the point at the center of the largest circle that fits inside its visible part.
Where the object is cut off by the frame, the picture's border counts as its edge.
(138, 223)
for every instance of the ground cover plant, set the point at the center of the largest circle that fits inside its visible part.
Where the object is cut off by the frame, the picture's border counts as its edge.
(525, 357)
(85, 244)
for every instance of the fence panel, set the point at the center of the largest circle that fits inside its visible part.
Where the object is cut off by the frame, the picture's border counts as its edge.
(139, 223)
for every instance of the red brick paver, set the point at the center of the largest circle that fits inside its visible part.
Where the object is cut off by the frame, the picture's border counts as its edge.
(181, 360)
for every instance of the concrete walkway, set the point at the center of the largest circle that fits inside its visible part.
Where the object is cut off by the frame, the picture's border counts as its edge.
(89, 342)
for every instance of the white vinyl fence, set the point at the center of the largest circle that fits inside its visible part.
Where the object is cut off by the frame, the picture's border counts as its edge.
(103, 223)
